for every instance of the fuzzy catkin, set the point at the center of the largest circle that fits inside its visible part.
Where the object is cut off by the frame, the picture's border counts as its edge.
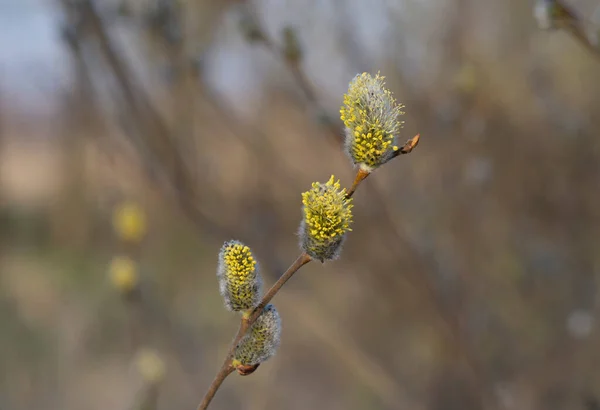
(261, 341)
(239, 279)
(371, 117)
(327, 218)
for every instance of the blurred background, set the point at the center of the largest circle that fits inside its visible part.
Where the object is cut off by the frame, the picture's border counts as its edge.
(136, 136)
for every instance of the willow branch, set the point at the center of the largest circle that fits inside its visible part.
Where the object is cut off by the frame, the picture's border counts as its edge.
(450, 323)
(225, 371)
(153, 133)
(361, 175)
(246, 322)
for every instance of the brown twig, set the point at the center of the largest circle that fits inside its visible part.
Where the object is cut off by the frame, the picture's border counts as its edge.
(361, 175)
(408, 146)
(225, 371)
(248, 321)
(245, 323)
(451, 324)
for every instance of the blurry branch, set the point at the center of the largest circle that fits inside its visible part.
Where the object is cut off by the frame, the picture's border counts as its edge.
(151, 124)
(250, 137)
(291, 55)
(555, 14)
(166, 27)
(153, 137)
(141, 306)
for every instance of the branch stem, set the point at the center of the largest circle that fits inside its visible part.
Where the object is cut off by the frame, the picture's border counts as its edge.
(246, 322)
(225, 371)
(361, 175)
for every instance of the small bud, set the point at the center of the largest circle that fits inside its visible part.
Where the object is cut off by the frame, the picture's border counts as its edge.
(239, 280)
(246, 370)
(123, 274)
(371, 116)
(260, 343)
(129, 222)
(150, 365)
(327, 218)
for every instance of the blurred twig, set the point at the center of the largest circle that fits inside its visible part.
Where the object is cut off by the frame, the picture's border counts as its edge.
(153, 134)
(153, 139)
(556, 14)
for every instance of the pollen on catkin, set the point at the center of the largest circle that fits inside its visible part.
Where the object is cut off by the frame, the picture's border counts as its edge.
(371, 116)
(261, 341)
(239, 279)
(123, 274)
(129, 222)
(327, 218)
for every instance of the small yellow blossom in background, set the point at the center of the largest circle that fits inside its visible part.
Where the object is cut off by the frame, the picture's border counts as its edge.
(371, 116)
(261, 341)
(150, 365)
(327, 218)
(129, 222)
(239, 280)
(123, 273)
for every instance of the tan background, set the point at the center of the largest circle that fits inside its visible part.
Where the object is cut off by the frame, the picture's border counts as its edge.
(473, 268)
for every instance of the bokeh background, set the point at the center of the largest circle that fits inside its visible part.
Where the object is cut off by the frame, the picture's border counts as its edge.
(470, 280)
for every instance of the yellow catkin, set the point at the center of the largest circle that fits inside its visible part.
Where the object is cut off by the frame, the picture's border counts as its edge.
(371, 116)
(327, 218)
(238, 275)
(261, 341)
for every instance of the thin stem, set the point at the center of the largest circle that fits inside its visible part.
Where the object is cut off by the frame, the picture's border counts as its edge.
(225, 371)
(361, 175)
(293, 65)
(302, 260)
(227, 368)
